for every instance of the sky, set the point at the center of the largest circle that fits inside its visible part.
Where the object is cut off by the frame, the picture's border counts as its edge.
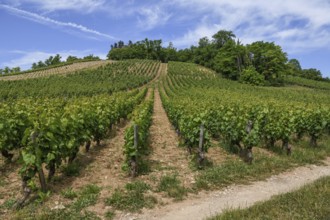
(33, 30)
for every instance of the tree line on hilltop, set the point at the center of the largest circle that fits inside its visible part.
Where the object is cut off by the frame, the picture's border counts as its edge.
(52, 61)
(258, 63)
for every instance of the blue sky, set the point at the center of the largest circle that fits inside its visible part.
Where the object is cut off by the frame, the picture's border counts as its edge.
(33, 30)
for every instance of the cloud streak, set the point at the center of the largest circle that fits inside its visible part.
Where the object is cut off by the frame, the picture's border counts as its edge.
(50, 22)
(84, 6)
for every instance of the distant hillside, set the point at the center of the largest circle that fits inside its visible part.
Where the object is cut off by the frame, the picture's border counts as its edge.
(63, 69)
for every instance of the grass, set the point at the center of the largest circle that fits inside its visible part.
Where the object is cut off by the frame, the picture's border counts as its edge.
(8, 204)
(132, 198)
(310, 202)
(237, 171)
(263, 166)
(88, 196)
(172, 186)
(69, 194)
(109, 215)
(65, 214)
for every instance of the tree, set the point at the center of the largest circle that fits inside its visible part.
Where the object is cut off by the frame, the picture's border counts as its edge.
(70, 59)
(269, 60)
(203, 42)
(294, 68)
(222, 37)
(41, 64)
(16, 69)
(34, 66)
(48, 61)
(170, 53)
(56, 60)
(231, 59)
(312, 74)
(121, 44)
(91, 57)
(7, 70)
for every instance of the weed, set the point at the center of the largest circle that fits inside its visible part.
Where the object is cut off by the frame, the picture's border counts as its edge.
(109, 215)
(132, 198)
(69, 193)
(67, 214)
(42, 197)
(8, 204)
(87, 197)
(172, 186)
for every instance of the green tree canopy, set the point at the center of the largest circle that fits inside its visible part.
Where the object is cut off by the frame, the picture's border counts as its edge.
(268, 59)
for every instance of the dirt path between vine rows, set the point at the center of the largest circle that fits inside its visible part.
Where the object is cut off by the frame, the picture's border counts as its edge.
(166, 156)
(234, 196)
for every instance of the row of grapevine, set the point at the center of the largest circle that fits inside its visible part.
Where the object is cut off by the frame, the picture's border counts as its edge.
(106, 79)
(62, 68)
(295, 80)
(136, 136)
(53, 130)
(244, 117)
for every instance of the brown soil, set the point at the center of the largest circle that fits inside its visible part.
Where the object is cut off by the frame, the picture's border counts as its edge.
(166, 156)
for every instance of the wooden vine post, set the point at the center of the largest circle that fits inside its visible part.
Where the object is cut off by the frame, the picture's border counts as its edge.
(249, 155)
(133, 158)
(201, 151)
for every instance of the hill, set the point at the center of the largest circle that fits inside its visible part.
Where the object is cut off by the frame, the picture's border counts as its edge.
(137, 134)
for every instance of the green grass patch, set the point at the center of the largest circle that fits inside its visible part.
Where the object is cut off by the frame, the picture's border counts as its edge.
(88, 196)
(132, 198)
(310, 202)
(109, 215)
(172, 186)
(69, 193)
(8, 204)
(67, 214)
(237, 171)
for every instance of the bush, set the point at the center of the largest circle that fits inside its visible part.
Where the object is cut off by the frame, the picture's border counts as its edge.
(251, 76)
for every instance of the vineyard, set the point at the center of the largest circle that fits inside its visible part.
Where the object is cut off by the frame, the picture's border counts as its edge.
(243, 116)
(64, 69)
(222, 132)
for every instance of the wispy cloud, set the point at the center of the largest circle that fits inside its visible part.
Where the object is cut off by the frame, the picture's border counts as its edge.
(51, 22)
(26, 58)
(152, 17)
(84, 6)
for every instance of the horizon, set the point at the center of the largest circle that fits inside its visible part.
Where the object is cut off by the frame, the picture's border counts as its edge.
(37, 29)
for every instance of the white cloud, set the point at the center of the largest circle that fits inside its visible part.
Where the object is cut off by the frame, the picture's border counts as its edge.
(152, 17)
(192, 36)
(296, 24)
(51, 22)
(85, 6)
(26, 58)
